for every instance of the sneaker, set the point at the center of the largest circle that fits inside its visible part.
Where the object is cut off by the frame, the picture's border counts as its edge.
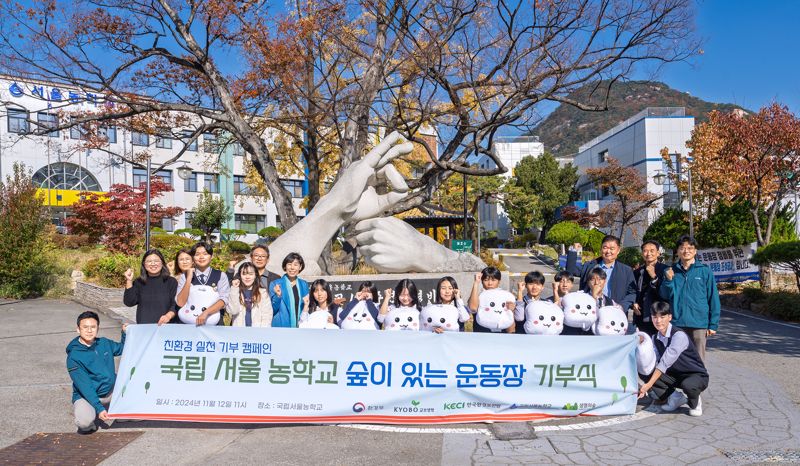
(675, 401)
(698, 411)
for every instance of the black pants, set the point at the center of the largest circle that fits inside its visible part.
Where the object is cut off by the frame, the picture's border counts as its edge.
(646, 327)
(691, 384)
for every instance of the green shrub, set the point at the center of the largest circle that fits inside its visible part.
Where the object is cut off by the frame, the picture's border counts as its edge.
(169, 245)
(732, 225)
(238, 246)
(71, 241)
(520, 241)
(631, 256)
(753, 294)
(109, 271)
(594, 240)
(192, 233)
(565, 233)
(270, 232)
(231, 234)
(25, 232)
(784, 305)
(670, 226)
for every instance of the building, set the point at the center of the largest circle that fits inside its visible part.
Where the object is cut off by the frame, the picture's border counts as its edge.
(637, 142)
(509, 150)
(63, 167)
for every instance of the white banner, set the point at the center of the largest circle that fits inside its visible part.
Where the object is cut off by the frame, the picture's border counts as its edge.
(730, 264)
(276, 375)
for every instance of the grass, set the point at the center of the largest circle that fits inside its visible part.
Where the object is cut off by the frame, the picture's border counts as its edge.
(64, 261)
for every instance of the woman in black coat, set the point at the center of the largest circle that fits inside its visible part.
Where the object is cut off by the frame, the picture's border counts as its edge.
(153, 293)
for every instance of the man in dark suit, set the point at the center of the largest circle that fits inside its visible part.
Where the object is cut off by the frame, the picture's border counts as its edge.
(648, 279)
(620, 285)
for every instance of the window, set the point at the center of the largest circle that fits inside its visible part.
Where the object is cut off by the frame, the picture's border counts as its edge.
(295, 187)
(672, 198)
(66, 176)
(250, 223)
(110, 132)
(164, 143)
(240, 187)
(188, 217)
(190, 184)
(210, 143)
(140, 176)
(187, 135)
(48, 120)
(140, 139)
(602, 156)
(17, 121)
(211, 182)
(237, 149)
(168, 224)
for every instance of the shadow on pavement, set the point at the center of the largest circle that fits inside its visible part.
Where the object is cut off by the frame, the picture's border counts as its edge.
(742, 333)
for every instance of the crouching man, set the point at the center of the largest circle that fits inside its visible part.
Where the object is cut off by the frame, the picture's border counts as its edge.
(678, 365)
(90, 363)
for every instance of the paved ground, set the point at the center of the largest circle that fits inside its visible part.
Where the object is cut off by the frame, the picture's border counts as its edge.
(752, 413)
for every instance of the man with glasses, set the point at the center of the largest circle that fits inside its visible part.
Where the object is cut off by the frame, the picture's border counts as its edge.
(691, 290)
(259, 255)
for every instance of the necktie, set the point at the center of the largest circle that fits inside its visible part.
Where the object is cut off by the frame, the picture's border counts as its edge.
(202, 279)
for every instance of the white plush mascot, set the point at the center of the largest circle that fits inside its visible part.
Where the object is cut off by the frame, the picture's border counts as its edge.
(201, 297)
(443, 316)
(645, 354)
(611, 321)
(543, 318)
(402, 318)
(319, 320)
(580, 310)
(492, 311)
(359, 317)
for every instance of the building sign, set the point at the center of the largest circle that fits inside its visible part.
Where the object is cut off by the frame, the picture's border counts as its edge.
(54, 94)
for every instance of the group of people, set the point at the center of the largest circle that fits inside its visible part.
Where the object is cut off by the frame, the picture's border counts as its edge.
(677, 307)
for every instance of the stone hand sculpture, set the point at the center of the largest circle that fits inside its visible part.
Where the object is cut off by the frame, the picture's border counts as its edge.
(352, 198)
(393, 246)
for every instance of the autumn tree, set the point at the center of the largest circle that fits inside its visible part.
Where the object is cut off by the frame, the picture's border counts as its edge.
(751, 158)
(117, 218)
(553, 185)
(211, 213)
(628, 188)
(330, 75)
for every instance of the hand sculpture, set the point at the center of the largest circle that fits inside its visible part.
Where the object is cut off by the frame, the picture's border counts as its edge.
(353, 197)
(392, 245)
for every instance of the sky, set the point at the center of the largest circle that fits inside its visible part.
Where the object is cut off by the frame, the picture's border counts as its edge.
(751, 54)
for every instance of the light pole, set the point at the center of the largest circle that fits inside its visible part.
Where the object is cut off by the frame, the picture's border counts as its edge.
(184, 172)
(661, 178)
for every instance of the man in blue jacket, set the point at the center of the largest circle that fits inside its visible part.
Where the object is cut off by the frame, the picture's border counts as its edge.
(691, 290)
(620, 285)
(90, 363)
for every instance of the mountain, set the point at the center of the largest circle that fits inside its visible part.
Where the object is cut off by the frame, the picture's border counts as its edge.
(567, 127)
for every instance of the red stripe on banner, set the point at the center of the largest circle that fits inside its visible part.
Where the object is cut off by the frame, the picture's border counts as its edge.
(355, 419)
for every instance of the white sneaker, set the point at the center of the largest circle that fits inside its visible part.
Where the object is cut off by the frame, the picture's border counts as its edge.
(698, 411)
(675, 401)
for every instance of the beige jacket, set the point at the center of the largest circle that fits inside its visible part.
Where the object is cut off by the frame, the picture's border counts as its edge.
(261, 313)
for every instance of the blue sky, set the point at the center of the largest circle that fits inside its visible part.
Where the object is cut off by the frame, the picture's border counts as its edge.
(751, 54)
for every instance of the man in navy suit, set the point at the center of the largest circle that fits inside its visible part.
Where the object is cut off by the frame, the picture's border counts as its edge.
(620, 285)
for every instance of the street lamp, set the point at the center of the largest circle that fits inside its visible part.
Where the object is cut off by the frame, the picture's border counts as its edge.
(660, 179)
(184, 172)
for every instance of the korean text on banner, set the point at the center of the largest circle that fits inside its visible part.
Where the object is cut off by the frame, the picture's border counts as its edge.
(730, 264)
(232, 374)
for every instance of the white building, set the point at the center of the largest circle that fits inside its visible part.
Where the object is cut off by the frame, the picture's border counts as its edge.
(63, 168)
(637, 142)
(509, 150)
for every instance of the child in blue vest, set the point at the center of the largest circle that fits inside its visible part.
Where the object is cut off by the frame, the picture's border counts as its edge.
(678, 365)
